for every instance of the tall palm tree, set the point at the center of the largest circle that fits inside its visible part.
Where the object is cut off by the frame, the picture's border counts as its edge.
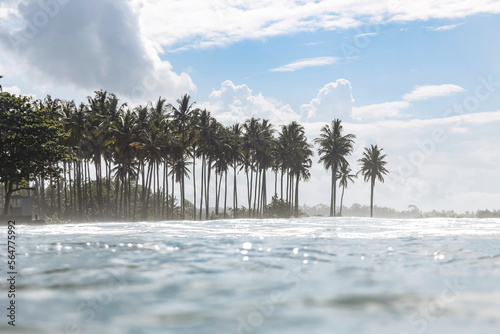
(372, 168)
(124, 135)
(235, 155)
(344, 178)
(181, 116)
(333, 148)
(194, 141)
(302, 162)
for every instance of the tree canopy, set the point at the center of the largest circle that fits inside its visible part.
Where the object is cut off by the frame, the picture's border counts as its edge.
(30, 143)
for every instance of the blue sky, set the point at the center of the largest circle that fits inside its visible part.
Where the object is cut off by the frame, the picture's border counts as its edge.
(419, 78)
(394, 60)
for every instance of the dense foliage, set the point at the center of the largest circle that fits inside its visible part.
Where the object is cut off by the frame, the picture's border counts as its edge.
(30, 144)
(134, 164)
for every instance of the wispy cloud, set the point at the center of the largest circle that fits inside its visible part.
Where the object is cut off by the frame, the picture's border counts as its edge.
(366, 34)
(380, 110)
(314, 43)
(201, 24)
(307, 62)
(431, 91)
(444, 28)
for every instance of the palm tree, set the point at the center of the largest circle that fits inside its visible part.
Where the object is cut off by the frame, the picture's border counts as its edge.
(194, 143)
(372, 168)
(344, 178)
(182, 115)
(235, 155)
(124, 135)
(294, 153)
(333, 148)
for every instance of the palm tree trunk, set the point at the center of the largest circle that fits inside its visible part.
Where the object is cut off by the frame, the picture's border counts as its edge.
(255, 191)
(166, 189)
(218, 195)
(117, 192)
(121, 198)
(264, 192)
(59, 203)
(90, 202)
(249, 191)
(194, 184)
(217, 192)
(235, 193)
(371, 197)
(173, 193)
(282, 172)
(79, 190)
(149, 176)
(259, 198)
(155, 192)
(165, 193)
(341, 200)
(183, 194)
(158, 195)
(202, 184)
(207, 192)
(225, 193)
(108, 184)
(98, 184)
(276, 183)
(297, 196)
(136, 191)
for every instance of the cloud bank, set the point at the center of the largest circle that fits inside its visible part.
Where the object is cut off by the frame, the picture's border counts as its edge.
(194, 24)
(88, 45)
(236, 103)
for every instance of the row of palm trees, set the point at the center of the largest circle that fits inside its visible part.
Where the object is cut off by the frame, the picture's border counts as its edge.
(128, 163)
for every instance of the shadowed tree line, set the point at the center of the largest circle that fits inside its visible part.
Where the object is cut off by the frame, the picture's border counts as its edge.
(125, 163)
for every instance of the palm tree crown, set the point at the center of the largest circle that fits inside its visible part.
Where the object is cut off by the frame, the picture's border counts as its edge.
(373, 168)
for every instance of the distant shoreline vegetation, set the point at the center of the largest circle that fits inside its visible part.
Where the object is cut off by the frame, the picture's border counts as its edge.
(101, 160)
(358, 210)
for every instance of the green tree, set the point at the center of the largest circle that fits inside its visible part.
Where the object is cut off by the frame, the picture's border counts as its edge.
(30, 144)
(333, 148)
(372, 168)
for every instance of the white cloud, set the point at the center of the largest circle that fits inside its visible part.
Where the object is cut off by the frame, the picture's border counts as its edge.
(13, 90)
(89, 45)
(380, 110)
(430, 162)
(431, 91)
(445, 27)
(395, 109)
(303, 63)
(334, 100)
(194, 23)
(236, 103)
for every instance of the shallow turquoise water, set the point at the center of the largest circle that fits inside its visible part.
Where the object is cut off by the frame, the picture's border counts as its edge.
(312, 275)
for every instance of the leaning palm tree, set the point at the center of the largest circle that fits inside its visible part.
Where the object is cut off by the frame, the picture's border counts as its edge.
(333, 148)
(344, 178)
(372, 168)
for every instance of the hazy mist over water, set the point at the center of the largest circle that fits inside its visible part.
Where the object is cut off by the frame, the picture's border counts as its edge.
(311, 275)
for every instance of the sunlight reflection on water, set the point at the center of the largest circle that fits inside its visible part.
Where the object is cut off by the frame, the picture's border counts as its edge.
(312, 275)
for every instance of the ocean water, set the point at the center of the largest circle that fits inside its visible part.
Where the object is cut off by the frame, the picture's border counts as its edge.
(311, 275)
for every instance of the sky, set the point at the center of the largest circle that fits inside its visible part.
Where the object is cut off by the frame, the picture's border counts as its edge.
(421, 79)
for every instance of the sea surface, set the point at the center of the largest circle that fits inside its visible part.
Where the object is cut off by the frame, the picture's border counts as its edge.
(311, 275)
